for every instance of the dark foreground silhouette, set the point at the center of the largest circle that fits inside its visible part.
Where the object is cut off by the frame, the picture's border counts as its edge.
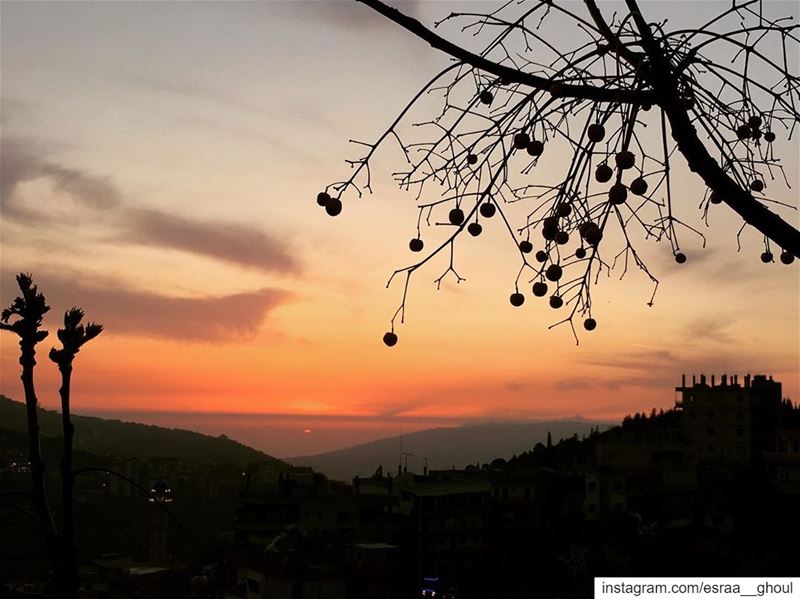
(709, 488)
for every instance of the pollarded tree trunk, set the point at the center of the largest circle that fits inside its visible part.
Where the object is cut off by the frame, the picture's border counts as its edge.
(28, 361)
(72, 336)
(67, 485)
(54, 541)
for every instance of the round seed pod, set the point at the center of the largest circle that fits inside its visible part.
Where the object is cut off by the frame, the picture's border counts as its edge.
(333, 207)
(550, 221)
(474, 229)
(390, 339)
(743, 132)
(516, 299)
(638, 186)
(487, 210)
(535, 147)
(416, 245)
(625, 159)
(549, 233)
(456, 216)
(539, 288)
(323, 198)
(556, 302)
(596, 132)
(617, 194)
(590, 324)
(603, 173)
(553, 272)
(594, 236)
(564, 209)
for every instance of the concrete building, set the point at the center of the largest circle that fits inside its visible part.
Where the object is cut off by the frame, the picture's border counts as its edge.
(729, 423)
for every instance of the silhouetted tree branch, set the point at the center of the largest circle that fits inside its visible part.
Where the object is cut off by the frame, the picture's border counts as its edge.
(504, 107)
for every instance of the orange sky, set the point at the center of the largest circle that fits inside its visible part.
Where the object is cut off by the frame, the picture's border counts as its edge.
(160, 164)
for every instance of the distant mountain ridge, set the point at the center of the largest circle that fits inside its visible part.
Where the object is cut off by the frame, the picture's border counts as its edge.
(100, 436)
(444, 447)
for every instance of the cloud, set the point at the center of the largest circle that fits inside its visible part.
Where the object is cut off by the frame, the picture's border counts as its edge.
(195, 91)
(141, 313)
(642, 360)
(714, 329)
(14, 109)
(230, 242)
(662, 380)
(243, 245)
(657, 369)
(24, 160)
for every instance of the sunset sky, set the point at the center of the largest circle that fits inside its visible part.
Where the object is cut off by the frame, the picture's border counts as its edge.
(160, 163)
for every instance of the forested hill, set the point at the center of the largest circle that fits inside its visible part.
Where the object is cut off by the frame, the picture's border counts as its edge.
(99, 436)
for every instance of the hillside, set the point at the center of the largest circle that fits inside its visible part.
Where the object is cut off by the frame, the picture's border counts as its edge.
(113, 437)
(443, 447)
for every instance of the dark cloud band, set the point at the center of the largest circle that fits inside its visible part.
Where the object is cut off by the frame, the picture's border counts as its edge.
(140, 313)
(234, 243)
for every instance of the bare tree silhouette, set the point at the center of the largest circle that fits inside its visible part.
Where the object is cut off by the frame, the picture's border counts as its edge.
(73, 336)
(723, 92)
(29, 309)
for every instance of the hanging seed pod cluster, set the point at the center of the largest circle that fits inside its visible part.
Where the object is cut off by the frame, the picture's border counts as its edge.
(570, 149)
